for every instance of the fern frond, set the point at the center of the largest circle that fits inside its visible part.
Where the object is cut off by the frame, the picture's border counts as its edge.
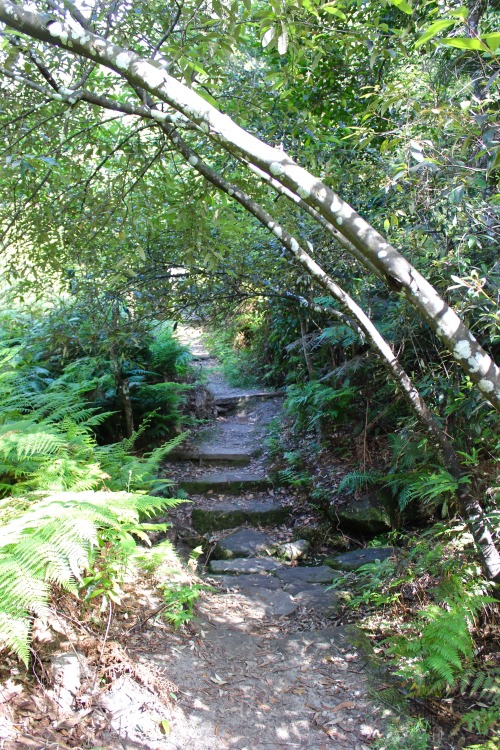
(51, 542)
(15, 634)
(359, 480)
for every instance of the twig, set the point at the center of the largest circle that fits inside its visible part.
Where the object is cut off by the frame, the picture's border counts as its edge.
(138, 625)
(110, 617)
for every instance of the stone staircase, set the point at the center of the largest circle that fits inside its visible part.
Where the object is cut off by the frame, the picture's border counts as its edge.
(263, 665)
(236, 511)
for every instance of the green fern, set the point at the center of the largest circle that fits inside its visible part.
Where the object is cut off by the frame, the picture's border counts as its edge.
(438, 658)
(359, 480)
(430, 486)
(71, 508)
(484, 687)
(54, 542)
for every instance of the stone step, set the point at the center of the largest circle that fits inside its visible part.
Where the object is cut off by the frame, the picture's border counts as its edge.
(244, 543)
(357, 558)
(227, 482)
(229, 515)
(241, 399)
(306, 574)
(207, 455)
(245, 566)
(302, 586)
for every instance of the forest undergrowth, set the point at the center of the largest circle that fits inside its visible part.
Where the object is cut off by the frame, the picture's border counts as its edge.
(431, 617)
(77, 569)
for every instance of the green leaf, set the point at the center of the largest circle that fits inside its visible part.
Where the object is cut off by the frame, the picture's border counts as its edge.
(165, 726)
(197, 68)
(461, 12)
(402, 5)
(208, 97)
(492, 40)
(330, 8)
(496, 161)
(432, 30)
(463, 42)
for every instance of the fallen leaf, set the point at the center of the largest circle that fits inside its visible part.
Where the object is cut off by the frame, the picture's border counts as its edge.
(73, 721)
(344, 704)
(165, 726)
(218, 680)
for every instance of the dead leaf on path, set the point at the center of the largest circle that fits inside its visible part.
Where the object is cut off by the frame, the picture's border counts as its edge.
(335, 733)
(298, 691)
(344, 704)
(74, 720)
(218, 680)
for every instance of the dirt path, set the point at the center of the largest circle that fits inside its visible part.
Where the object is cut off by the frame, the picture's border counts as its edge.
(263, 666)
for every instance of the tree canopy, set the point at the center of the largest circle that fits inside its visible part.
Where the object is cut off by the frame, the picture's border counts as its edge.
(140, 140)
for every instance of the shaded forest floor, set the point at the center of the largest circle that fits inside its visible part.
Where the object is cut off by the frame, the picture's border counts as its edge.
(266, 662)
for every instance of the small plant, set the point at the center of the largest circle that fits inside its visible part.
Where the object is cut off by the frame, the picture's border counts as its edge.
(406, 733)
(375, 585)
(180, 600)
(312, 404)
(294, 475)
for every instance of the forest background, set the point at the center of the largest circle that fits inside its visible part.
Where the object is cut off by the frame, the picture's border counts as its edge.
(128, 198)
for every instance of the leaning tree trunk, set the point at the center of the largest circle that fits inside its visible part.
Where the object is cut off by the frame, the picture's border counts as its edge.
(471, 510)
(374, 249)
(123, 395)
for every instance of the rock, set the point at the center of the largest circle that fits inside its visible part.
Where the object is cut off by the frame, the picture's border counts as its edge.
(135, 713)
(367, 516)
(242, 566)
(306, 574)
(316, 598)
(230, 482)
(244, 543)
(357, 558)
(274, 603)
(248, 581)
(226, 515)
(68, 670)
(200, 403)
(293, 550)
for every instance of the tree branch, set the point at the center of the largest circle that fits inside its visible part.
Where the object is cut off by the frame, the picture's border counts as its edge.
(442, 319)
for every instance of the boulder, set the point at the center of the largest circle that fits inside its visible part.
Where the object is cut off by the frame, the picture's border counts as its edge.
(293, 550)
(357, 558)
(368, 515)
(244, 543)
(241, 566)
